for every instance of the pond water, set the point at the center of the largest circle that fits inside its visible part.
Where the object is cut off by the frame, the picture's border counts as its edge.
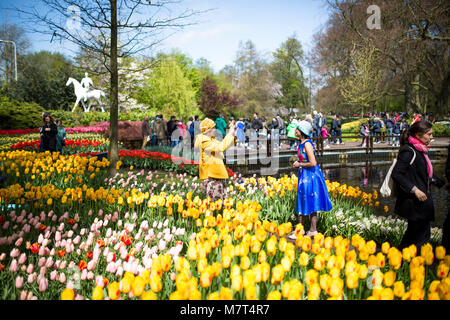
(369, 175)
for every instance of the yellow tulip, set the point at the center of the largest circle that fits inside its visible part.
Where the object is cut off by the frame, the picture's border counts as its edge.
(352, 280)
(440, 252)
(138, 286)
(399, 289)
(114, 290)
(67, 294)
(125, 284)
(148, 295)
(274, 295)
(225, 293)
(389, 278)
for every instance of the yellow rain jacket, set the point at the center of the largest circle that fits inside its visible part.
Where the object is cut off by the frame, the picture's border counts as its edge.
(211, 156)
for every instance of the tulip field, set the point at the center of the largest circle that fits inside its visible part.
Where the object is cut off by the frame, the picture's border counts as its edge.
(69, 231)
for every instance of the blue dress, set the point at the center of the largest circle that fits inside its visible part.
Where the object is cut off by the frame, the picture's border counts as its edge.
(312, 192)
(240, 135)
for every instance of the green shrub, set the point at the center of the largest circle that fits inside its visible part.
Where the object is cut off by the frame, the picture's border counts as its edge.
(19, 115)
(441, 128)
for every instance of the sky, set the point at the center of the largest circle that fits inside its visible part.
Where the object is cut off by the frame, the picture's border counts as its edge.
(218, 32)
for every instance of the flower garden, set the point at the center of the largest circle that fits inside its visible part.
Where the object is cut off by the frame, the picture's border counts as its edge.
(69, 231)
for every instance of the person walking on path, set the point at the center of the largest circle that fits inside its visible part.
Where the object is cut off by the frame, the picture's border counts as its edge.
(364, 133)
(389, 129)
(48, 133)
(396, 133)
(240, 132)
(160, 130)
(211, 167)
(291, 128)
(221, 126)
(60, 136)
(256, 126)
(336, 132)
(171, 127)
(413, 174)
(312, 192)
(145, 132)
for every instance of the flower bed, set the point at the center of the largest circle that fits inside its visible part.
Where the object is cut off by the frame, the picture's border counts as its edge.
(75, 233)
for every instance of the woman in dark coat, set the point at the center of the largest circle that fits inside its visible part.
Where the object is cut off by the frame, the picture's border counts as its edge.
(414, 201)
(49, 130)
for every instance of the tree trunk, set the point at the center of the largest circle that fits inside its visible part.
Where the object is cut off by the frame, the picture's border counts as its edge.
(114, 99)
(407, 96)
(443, 97)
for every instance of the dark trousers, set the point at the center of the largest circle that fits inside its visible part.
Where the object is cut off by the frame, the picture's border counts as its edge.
(417, 233)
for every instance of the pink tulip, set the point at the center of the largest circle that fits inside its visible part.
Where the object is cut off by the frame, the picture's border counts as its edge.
(49, 262)
(99, 281)
(43, 285)
(91, 265)
(75, 226)
(58, 236)
(41, 261)
(41, 251)
(53, 275)
(22, 258)
(119, 272)
(14, 253)
(84, 274)
(31, 277)
(90, 213)
(62, 277)
(76, 240)
(23, 295)
(45, 242)
(19, 282)
(30, 268)
(18, 242)
(162, 245)
(90, 275)
(14, 266)
(63, 265)
(2, 256)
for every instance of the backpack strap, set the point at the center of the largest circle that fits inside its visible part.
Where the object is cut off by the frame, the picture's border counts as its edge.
(414, 156)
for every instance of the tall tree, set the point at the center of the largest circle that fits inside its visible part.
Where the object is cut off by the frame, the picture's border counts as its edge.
(252, 79)
(15, 33)
(361, 87)
(168, 90)
(287, 70)
(113, 28)
(214, 101)
(42, 79)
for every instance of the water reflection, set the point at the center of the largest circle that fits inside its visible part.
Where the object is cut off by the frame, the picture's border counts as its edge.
(370, 175)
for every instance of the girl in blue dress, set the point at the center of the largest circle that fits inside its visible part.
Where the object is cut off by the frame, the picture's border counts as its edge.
(312, 192)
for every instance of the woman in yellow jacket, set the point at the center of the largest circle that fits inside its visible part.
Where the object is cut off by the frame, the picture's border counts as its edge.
(211, 166)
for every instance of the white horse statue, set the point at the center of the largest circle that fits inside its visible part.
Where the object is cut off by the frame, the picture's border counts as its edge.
(82, 94)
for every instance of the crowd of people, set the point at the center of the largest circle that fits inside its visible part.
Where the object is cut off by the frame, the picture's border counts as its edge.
(251, 132)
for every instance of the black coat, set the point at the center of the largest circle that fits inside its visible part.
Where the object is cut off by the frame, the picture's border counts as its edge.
(48, 138)
(407, 176)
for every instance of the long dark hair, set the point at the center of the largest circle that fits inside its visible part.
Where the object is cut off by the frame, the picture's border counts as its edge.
(45, 115)
(419, 127)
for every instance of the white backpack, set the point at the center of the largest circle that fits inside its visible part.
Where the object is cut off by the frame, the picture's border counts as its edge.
(386, 187)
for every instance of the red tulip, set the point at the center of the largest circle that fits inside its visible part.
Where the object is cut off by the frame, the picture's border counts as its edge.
(82, 265)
